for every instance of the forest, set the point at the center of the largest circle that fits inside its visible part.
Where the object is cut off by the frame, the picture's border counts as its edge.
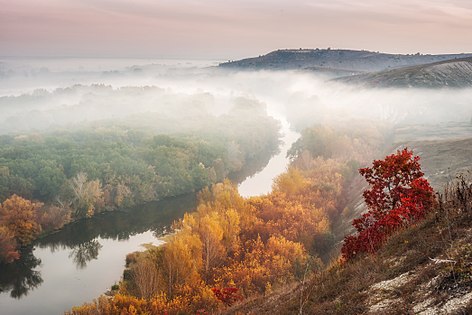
(233, 248)
(49, 179)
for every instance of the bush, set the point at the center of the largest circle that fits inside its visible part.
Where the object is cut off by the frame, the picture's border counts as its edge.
(399, 196)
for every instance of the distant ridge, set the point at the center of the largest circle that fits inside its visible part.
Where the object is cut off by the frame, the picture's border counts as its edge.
(456, 73)
(336, 62)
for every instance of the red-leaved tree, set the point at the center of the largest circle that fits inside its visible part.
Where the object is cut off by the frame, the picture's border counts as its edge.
(8, 251)
(228, 295)
(398, 196)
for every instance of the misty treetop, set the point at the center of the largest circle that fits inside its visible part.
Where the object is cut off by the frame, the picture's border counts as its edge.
(112, 166)
(80, 172)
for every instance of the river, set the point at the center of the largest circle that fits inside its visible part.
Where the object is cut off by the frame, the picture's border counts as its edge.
(82, 261)
(261, 182)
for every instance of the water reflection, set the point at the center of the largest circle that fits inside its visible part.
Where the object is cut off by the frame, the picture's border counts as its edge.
(20, 276)
(85, 258)
(84, 253)
(120, 225)
(81, 238)
(255, 164)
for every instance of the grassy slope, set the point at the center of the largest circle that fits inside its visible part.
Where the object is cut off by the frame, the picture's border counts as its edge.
(425, 269)
(445, 149)
(455, 73)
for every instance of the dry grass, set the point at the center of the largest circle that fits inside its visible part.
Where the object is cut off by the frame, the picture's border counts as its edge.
(429, 265)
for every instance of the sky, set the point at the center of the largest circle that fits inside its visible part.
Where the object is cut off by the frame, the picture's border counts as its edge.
(229, 29)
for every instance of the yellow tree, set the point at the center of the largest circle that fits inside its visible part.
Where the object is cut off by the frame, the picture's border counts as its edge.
(285, 259)
(291, 219)
(18, 215)
(211, 235)
(229, 222)
(146, 277)
(88, 195)
(292, 182)
(180, 262)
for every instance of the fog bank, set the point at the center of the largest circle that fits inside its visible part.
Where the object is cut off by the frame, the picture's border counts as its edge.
(40, 94)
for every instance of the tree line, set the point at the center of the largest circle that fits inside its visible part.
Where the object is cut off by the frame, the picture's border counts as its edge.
(49, 179)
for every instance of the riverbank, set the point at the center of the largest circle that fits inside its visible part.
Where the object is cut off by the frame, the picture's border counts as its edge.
(82, 260)
(234, 248)
(75, 256)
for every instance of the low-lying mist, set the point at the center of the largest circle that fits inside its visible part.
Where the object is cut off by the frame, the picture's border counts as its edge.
(41, 94)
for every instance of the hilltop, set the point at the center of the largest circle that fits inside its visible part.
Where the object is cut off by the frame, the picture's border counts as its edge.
(336, 62)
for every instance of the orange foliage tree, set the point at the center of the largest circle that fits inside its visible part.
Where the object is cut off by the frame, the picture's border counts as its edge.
(262, 264)
(19, 216)
(8, 251)
(53, 217)
(291, 219)
(199, 301)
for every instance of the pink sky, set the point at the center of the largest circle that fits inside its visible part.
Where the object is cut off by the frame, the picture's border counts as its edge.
(229, 29)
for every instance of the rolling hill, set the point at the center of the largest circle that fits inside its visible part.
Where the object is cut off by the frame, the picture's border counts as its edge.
(455, 73)
(336, 62)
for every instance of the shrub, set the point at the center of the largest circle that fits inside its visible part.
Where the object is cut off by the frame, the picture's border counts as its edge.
(399, 196)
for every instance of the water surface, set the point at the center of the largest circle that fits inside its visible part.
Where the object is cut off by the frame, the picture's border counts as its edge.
(82, 261)
(261, 182)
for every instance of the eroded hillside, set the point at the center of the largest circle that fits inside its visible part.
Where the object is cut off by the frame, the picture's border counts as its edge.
(456, 73)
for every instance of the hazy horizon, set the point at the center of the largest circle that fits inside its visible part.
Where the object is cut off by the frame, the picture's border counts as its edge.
(210, 58)
(210, 29)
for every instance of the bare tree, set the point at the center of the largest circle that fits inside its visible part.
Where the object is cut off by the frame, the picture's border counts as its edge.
(145, 276)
